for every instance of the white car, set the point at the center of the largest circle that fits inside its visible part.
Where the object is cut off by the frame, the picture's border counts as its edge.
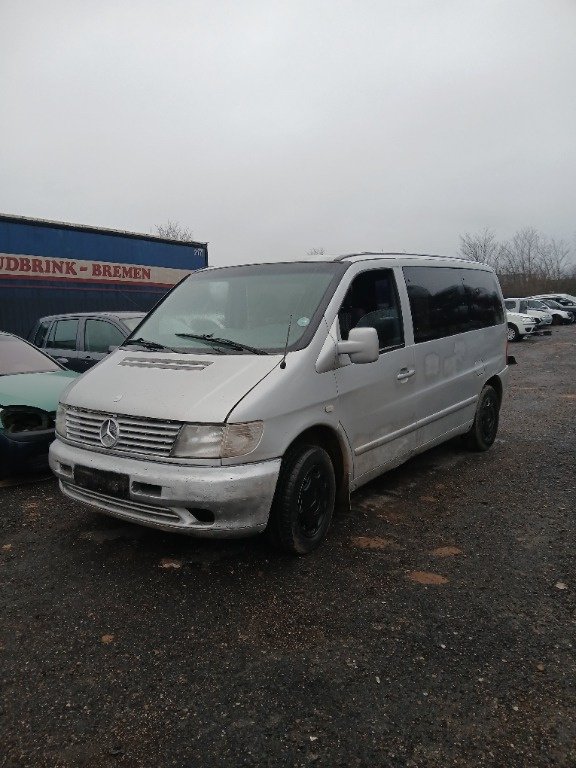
(519, 325)
(541, 317)
(560, 315)
(560, 301)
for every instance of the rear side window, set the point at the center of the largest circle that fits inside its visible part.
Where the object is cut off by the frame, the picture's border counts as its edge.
(63, 334)
(100, 335)
(445, 301)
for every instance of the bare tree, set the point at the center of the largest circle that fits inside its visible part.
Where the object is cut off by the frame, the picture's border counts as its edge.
(528, 263)
(173, 230)
(554, 255)
(481, 247)
(316, 252)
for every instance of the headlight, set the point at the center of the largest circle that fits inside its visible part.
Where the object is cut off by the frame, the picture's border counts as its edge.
(60, 421)
(527, 319)
(217, 441)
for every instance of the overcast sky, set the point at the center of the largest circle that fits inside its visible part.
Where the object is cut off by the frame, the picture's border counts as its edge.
(271, 127)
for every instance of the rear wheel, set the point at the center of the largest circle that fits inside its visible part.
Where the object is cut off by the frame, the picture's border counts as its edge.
(304, 500)
(485, 426)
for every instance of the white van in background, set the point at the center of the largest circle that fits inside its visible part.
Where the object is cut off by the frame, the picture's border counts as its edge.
(258, 397)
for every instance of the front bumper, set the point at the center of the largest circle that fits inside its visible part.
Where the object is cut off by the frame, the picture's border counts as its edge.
(24, 453)
(205, 501)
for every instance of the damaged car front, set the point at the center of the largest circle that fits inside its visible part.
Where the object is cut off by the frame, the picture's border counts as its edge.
(30, 387)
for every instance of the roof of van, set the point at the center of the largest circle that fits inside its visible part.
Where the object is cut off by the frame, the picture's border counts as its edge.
(362, 256)
(389, 254)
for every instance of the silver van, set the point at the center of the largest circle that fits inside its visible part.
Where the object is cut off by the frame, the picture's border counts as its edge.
(256, 398)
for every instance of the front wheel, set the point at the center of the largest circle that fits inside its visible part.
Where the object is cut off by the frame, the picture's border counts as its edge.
(513, 334)
(485, 426)
(304, 500)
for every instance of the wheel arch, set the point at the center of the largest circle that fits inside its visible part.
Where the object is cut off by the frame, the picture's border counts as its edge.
(496, 383)
(328, 439)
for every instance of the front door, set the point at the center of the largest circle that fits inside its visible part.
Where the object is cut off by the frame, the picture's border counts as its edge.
(377, 400)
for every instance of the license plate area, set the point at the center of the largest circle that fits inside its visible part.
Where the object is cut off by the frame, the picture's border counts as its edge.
(100, 481)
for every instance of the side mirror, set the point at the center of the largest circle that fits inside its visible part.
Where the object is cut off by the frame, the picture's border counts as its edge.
(362, 345)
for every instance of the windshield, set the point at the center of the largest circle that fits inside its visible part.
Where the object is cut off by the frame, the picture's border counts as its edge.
(237, 310)
(132, 322)
(16, 356)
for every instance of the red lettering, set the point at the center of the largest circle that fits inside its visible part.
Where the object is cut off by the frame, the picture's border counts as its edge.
(106, 270)
(12, 264)
(55, 266)
(37, 265)
(146, 273)
(25, 265)
(137, 273)
(71, 268)
(96, 269)
(127, 272)
(116, 271)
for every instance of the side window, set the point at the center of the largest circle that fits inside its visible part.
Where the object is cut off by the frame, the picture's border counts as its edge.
(437, 302)
(63, 334)
(100, 335)
(372, 301)
(40, 336)
(445, 301)
(483, 299)
(510, 304)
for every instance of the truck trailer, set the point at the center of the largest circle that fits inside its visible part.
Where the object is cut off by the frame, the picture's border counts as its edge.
(51, 267)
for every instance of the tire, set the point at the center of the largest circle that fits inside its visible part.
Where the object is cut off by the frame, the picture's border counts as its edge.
(513, 334)
(485, 427)
(304, 500)
(556, 320)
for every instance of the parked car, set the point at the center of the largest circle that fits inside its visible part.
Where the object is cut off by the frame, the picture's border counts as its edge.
(30, 386)
(82, 339)
(541, 317)
(560, 316)
(563, 299)
(519, 325)
(318, 376)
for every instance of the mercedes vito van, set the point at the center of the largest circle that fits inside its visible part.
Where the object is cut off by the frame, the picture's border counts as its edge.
(256, 398)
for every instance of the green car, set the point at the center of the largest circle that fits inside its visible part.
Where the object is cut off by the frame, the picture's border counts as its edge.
(30, 387)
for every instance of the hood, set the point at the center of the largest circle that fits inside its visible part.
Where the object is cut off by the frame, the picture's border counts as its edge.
(170, 386)
(41, 390)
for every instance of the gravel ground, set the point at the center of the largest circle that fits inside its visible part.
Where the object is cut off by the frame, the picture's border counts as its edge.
(435, 627)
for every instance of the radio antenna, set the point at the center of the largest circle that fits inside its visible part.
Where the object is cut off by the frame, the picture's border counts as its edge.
(283, 363)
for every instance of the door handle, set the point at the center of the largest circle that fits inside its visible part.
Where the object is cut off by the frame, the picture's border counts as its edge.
(405, 373)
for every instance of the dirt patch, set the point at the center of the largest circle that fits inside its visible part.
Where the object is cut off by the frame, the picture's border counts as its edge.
(446, 552)
(364, 542)
(426, 578)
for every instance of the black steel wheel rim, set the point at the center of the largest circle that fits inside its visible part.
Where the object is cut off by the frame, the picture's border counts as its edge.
(312, 501)
(488, 418)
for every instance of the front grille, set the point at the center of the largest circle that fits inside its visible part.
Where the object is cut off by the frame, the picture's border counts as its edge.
(145, 437)
(121, 507)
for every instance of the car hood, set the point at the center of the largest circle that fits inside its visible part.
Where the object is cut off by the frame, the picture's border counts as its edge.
(41, 390)
(170, 386)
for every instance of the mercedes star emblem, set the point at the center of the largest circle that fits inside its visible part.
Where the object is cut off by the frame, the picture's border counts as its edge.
(109, 433)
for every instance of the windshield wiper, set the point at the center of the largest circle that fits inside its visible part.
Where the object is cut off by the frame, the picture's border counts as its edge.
(148, 345)
(224, 342)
